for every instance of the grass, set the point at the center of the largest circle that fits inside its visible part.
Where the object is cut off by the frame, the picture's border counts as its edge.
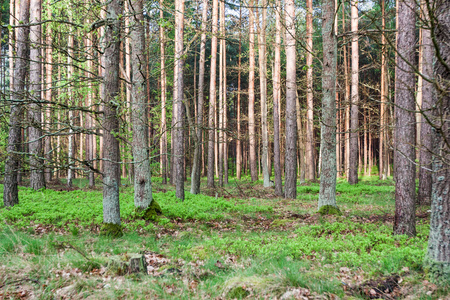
(208, 247)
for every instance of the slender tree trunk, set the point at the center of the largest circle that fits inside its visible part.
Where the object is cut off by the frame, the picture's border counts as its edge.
(238, 109)
(310, 166)
(10, 191)
(276, 99)
(221, 127)
(139, 113)
(195, 176)
(48, 172)
(426, 135)
(291, 89)
(366, 143)
(354, 114)
(404, 155)
(327, 194)
(163, 140)
(70, 142)
(251, 94)
(212, 96)
(90, 138)
(438, 257)
(34, 109)
(178, 101)
(111, 157)
(383, 161)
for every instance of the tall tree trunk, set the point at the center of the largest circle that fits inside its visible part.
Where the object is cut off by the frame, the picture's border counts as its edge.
(291, 114)
(90, 138)
(48, 172)
(383, 149)
(195, 176)
(426, 135)
(139, 113)
(221, 127)
(404, 155)
(327, 193)
(111, 167)
(178, 102)
(310, 166)
(238, 109)
(163, 140)
(10, 191)
(70, 142)
(34, 108)
(212, 96)
(354, 114)
(438, 257)
(276, 100)
(251, 94)
(263, 92)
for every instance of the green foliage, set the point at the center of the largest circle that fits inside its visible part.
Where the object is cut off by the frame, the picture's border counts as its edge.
(329, 210)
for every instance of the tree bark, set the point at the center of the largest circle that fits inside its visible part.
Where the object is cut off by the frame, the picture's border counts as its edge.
(276, 100)
(404, 155)
(10, 191)
(195, 176)
(383, 149)
(163, 140)
(139, 112)
(251, 94)
(310, 166)
(111, 157)
(354, 114)
(426, 135)
(178, 102)
(212, 96)
(438, 256)
(238, 108)
(327, 193)
(34, 109)
(291, 114)
(48, 172)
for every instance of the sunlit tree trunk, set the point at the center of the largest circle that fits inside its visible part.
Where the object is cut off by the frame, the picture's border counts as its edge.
(178, 102)
(221, 127)
(238, 109)
(291, 88)
(48, 172)
(195, 176)
(70, 142)
(382, 157)
(111, 157)
(310, 166)
(354, 114)
(251, 94)
(405, 135)
(212, 96)
(276, 99)
(10, 190)
(90, 138)
(327, 193)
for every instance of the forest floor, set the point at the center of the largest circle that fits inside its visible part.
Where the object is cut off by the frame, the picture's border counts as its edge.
(240, 241)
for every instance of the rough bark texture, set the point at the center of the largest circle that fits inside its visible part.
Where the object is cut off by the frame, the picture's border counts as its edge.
(251, 94)
(212, 96)
(10, 191)
(354, 117)
(221, 127)
(139, 113)
(291, 116)
(238, 108)
(195, 175)
(178, 102)
(438, 256)
(405, 132)
(310, 165)
(111, 158)
(383, 149)
(276, 100)
(70, 142)
(426, 139)
(327, 193)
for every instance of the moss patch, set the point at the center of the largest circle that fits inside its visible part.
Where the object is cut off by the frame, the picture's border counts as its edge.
(151, 213)
(329, 210)
(111, 230)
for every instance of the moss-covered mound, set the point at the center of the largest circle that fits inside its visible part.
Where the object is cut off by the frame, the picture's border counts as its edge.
(329, 210)
(111, 230)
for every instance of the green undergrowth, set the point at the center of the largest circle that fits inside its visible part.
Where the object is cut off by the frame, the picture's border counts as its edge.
(84, 208)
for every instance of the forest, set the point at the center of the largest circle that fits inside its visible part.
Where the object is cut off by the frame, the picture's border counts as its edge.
(257, 149)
